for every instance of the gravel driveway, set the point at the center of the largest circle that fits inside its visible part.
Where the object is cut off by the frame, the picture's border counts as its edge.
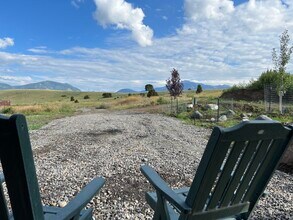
(69, 152)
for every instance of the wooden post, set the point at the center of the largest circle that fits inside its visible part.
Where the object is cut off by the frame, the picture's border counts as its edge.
(218, 112)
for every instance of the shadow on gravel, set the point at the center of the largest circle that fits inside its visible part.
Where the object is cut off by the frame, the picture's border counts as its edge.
(104, 132)
(286, 168)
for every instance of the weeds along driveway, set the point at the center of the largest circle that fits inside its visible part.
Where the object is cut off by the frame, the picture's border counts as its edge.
(69, 152)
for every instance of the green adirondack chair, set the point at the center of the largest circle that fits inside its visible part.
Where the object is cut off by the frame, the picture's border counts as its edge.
(21, 180)
(236, 166)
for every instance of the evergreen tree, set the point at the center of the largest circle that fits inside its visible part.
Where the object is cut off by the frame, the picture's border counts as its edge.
(199, 89)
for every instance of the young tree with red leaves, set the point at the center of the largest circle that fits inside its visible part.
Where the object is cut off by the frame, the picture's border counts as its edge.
(174, 86)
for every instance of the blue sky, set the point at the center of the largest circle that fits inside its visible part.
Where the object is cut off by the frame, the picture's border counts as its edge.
(106, 45)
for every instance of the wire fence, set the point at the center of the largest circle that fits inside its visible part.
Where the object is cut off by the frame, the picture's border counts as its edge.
(274, 103)
(207, 110)
(224, 109)
(217, 109)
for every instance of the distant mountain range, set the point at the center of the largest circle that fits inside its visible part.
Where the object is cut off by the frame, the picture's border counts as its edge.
(44, 85)
(188, 85)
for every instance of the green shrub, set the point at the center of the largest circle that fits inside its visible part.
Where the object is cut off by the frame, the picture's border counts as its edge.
(86, 97)
(72, 99)
(63, 95)
(161, 101)
(65, 108)
(102, 106)
(7, 110)
(152, 93)
(107, 95)
(199, 89)
(76, 101)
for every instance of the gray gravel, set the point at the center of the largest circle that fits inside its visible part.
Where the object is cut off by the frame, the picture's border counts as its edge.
(69, 152)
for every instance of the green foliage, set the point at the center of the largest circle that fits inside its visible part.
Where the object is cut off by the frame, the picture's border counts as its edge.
(284, 81)
(199, 89)
(7, 110)
(148, 87)
(102, 106)
(86, 97)
(269, 77)
(280, 61)
(72, 98)
(152, 93)
(272, 77)
(66, 109)
(76, 101)
(107, 95)
(162, 101)
(63, 95)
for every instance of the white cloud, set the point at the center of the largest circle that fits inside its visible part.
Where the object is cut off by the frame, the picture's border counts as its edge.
(76, 3)
(15, 80)
(6, 42)
(122, 14)
(229, 48)
(165, 18)
(39, 50)
(207, 9)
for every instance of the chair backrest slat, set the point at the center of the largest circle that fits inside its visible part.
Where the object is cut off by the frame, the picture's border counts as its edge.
(19, 169)
(236, 166)
(251, 169)
(225, 176)
(263, 175)
(247, 155)
(211, 173)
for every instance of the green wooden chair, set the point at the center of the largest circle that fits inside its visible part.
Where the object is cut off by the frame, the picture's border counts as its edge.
(21, 180)
(236, 166)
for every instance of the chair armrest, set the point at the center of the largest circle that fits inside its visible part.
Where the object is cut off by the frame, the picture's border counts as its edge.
(74, 207)
(160, 185)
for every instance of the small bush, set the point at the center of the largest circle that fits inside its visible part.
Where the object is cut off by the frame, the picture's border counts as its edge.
(86, 97)
(65, 108)
(128, 100)
(152, 93)
(161, 101)
(107, 95)
(63, 95)
(72, 99)
(76, 101)
(199, 89)
(48, 109)
(102, 106)
(129, 94)
(7, 110)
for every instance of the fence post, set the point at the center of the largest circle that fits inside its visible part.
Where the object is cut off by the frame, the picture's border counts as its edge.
(270, 99)
(232, 105)
(218, 112)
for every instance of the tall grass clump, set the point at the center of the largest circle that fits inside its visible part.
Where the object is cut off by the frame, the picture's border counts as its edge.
(7, 110)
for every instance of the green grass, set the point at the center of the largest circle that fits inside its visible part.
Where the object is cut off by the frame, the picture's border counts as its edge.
(42, 106)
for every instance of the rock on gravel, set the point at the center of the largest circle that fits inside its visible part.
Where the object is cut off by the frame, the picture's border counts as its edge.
(69, 152)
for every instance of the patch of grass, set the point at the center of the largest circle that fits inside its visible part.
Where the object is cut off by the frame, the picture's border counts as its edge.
(102, 106)
(7, 110)
(37, 121)
(161, 101)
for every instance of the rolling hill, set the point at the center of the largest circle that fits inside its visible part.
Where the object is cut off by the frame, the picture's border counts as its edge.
(44, 85)
(188, 85)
